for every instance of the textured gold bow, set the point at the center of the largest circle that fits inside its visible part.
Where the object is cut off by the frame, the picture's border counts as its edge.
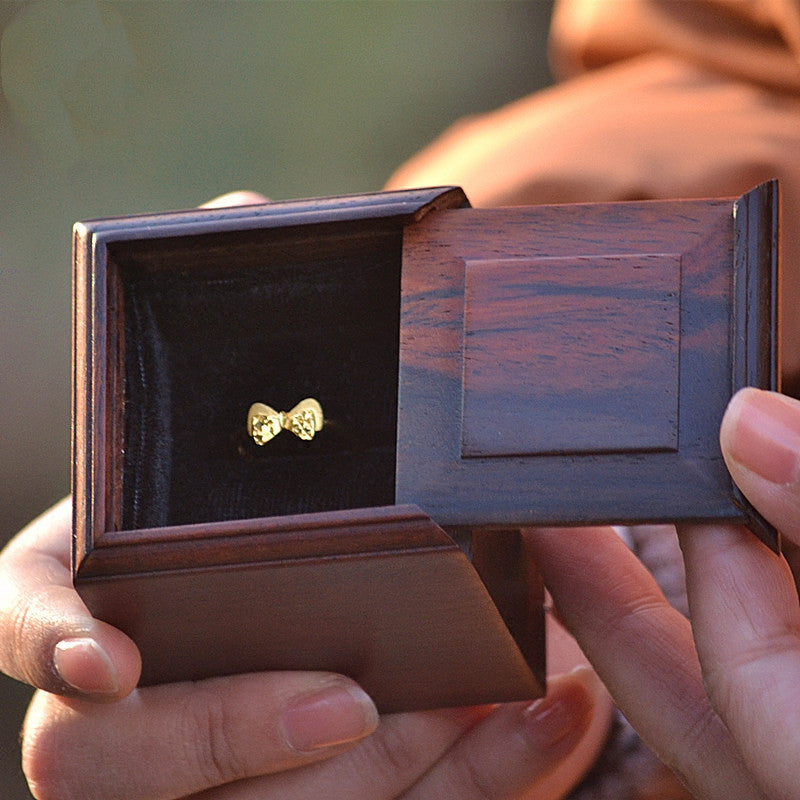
(265, 423)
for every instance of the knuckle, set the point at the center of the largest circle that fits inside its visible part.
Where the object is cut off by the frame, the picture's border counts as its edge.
(632, 617)
(394, 751)
(698, 741)
(18, 614)
(474, 783)
(729, 681)
(210, 736)
(26, 653)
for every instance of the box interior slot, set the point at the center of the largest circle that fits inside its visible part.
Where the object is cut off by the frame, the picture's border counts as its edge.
(210, 324)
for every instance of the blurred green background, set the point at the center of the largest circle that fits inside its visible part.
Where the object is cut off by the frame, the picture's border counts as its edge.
(112, 108)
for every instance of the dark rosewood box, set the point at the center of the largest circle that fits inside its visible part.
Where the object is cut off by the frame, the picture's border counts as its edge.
(480, 370)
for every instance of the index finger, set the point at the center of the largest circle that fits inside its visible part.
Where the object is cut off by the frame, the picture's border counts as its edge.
(48, 638)
(746, 622)
(642, 649)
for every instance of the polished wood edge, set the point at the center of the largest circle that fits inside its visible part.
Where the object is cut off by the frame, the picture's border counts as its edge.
(756, 288)
(403, 206)
(77, 400)
(353, 533)
(94, 289)
(755, 329)
(88, 301)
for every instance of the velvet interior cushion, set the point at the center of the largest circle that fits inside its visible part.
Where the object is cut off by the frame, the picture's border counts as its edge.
(214, 323)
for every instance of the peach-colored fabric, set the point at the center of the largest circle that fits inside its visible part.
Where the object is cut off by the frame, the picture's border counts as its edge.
(659, 99)
(753, 40)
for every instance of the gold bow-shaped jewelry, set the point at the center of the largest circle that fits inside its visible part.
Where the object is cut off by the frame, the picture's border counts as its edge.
(265, 423)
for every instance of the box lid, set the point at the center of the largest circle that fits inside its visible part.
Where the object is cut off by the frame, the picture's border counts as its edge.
(571, 364)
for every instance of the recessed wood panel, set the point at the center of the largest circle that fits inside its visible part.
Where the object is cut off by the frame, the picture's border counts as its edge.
(591, 404)
(571, 355)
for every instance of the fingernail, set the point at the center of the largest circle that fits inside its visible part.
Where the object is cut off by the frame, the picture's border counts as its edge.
(85, 666)
(558, 720)
(330, 716)
(762, 433)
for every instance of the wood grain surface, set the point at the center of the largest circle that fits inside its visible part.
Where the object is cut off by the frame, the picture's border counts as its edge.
(571, 364)
(557, 364)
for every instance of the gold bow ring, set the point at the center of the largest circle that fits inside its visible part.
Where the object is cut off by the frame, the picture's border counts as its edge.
(265, 423)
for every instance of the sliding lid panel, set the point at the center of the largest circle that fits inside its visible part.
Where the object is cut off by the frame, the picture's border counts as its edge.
(571, 364)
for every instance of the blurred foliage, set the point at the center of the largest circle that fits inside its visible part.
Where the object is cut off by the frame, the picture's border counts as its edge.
(120, 107)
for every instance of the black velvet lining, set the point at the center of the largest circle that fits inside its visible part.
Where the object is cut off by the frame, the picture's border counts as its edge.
(214, 323)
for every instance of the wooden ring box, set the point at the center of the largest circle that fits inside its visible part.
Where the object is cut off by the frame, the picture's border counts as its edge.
(480, 370)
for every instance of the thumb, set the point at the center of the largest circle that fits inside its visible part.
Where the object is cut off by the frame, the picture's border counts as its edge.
(48, 638)
(760, 439)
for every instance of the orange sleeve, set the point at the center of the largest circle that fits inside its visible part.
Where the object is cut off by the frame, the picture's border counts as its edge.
(753, 40)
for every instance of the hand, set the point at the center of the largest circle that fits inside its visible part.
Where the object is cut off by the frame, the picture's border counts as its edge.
(89, 733)
(719, 700)
(247, 736)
